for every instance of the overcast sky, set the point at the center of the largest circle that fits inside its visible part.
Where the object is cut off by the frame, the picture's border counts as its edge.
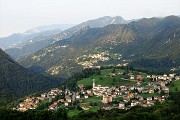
(21, 15)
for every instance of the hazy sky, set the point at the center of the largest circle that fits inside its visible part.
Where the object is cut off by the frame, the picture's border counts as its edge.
(20, 15)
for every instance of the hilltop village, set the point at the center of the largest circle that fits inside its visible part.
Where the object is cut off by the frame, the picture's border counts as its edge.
(143, 93)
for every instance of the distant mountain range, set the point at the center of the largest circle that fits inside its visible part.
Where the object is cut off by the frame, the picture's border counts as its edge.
(23, 44)
(18, 38)
(16, 81)
(145, 43)
(150, 44)
(96, 23)
(39, 29)
(45, 36)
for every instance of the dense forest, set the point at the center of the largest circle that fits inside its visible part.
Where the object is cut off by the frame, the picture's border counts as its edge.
(16, 81)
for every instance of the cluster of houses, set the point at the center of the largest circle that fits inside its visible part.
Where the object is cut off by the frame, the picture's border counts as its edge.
(34, 102)
(132, 95)
(90, 60)
(155, 89)
(28, 103)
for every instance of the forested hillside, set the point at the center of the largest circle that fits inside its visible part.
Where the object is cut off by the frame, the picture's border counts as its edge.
(146, 43)
(16, 81)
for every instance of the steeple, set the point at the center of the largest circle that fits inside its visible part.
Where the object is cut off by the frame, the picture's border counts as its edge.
(94, 83)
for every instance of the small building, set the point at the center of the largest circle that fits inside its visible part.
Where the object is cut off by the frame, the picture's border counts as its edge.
(148, 76)
(139, 97)
(86, 96)
(89, 91)
(106, 107)
(121, 105)
(134, 103)
(139, 77)
(69, 99)
(144, 91)
(149, 98)
(77, 96)
(56, 102)
(130, 95)
(86, 108)
(43, 95)
(155, 97)
(150, 103)
(177, 78)
(151, 91)
(61, 100)
(107, 99)
(52, 107)
(172, 75)
(162, 84)
(112, 74)
(126, 99)
(165, 89)
(66, 103)
(132, 77)
(81, 86)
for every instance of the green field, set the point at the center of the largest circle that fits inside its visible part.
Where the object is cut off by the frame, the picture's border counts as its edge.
(149, 95)
(93, 99)
(106, 80)
(86, 103)
(118, 99)
(72, 113)
(175, 87)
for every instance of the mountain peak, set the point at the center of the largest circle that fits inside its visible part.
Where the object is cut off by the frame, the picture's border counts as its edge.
(104, 21)
(49, 27)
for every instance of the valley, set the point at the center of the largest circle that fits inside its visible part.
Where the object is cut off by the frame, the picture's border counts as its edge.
(105, 65)
(111, 88)
(151, 44)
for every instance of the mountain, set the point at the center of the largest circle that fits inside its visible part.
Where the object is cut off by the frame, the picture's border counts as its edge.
(36, 43)
(146, 43)
(96, 23)
(103, 21)
(13, 40)
(23, 44)
(49, 28)
(16, 81)
(31, 44)
(17, 39)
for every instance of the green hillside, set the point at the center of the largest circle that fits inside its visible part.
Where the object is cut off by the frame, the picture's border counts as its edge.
(152, 43)
(105, 80)
(16, 81)
(175, 86)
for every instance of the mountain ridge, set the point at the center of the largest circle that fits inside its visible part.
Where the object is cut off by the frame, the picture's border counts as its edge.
(21, 51)
(145, 38)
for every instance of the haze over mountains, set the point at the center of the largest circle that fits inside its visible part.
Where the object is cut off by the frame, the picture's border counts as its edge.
(22, 44)
(152, 43)
(17, 81)
(46, 37)
(148, 43)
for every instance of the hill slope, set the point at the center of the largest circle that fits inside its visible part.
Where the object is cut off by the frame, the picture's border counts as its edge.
(43, 36)
(151, 43)
(16, 81)
(23, 44)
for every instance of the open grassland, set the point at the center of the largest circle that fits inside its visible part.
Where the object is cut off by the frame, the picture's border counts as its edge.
(175, 86)
(105, 80)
